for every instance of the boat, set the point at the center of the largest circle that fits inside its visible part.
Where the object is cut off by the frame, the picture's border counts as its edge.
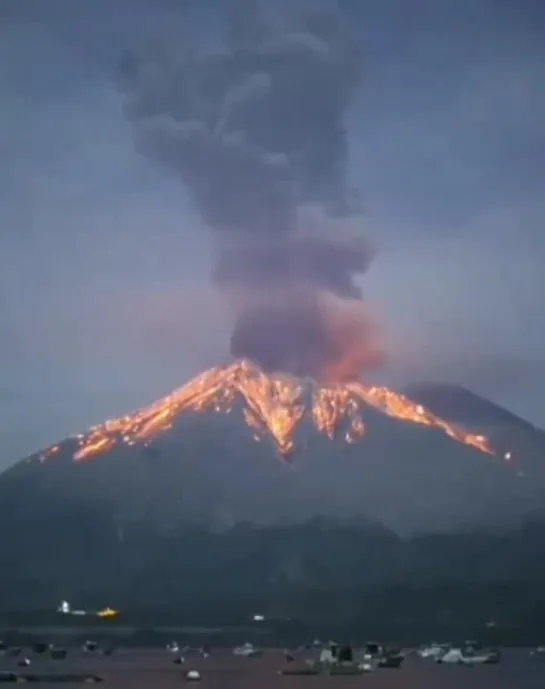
(333, 660)
(434, 650)
(458, 656)
(107, 612)
(247, 650)
(391, 658)
(380, 656)
(493, 657)
(192, 675)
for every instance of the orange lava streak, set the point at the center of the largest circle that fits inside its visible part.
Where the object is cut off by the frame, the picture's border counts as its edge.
(400, 407)
(335, 407)
(273, 405)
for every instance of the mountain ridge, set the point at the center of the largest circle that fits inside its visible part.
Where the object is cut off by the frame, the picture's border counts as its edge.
(208, 470)
(204, 498)
(436, 394)
(517, 441)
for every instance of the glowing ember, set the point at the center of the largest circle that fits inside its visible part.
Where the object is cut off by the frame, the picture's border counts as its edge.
(274, 405)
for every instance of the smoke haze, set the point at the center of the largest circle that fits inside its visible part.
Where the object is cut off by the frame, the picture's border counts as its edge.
(256, 132)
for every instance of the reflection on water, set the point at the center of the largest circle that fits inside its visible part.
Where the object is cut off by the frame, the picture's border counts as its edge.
(156, 669)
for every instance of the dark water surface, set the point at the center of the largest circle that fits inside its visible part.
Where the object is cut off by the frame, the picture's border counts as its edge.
(156, 670)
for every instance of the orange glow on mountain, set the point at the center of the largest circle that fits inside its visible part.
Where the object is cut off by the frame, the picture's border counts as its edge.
(273, 406)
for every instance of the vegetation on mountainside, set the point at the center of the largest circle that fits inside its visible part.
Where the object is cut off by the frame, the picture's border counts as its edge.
(321, 574)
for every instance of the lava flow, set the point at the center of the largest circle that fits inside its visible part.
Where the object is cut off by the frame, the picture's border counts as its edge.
(273, 405)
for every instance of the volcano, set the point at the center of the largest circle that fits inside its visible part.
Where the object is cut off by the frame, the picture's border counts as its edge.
(343, 451)
(127, 495)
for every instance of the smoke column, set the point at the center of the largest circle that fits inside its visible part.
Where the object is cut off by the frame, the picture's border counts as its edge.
(255, 132)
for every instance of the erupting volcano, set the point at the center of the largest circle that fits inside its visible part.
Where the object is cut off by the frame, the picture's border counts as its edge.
(153, 505)
(255, 132)
(273, 405)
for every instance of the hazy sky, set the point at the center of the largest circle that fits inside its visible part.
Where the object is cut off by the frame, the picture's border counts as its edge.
(105, 301)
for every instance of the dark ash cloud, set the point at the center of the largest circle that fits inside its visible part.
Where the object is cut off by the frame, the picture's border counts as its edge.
(256, 132)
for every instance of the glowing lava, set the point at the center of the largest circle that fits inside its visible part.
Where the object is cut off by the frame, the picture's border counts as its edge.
(273, 405)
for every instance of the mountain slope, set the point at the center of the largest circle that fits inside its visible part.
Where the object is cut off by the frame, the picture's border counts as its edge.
(517, 440)
(204, 497)
(456, 403)
(207, 470)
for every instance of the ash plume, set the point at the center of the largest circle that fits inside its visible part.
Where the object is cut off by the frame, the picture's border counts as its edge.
(255, 132)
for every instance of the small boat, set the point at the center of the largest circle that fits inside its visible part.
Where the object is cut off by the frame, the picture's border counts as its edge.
(333, 660)
(433, 651)
(494, 657)
(192, 675)
(247, 650)
(457, 656)
(392, 658)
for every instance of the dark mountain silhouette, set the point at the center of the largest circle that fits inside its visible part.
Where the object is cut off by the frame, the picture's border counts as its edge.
(311, 578)
(132, 524)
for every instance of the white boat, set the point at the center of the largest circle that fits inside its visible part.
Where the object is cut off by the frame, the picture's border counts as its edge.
(247, 650)
(434, 650)
(457, 656)
(192, 675)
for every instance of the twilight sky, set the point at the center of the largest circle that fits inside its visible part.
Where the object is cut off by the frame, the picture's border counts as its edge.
(105, 300)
